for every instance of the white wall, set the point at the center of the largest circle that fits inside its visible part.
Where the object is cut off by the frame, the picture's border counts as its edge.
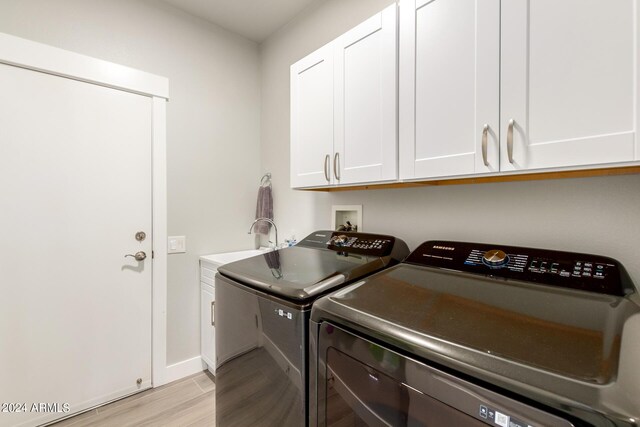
(597, 215)
(213, 122)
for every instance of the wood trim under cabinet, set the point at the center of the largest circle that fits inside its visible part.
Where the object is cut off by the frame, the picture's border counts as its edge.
(628, 170)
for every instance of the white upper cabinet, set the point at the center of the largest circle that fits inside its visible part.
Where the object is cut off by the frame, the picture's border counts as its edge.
(312, 119)
(344, 108)
(553, 82)
(568, 83)
(471, 88)
(449, 87)
(365, 138)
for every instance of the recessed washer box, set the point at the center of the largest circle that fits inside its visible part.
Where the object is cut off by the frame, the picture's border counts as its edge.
(340, 214)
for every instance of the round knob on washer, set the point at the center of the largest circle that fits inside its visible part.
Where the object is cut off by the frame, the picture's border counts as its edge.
(495, 258)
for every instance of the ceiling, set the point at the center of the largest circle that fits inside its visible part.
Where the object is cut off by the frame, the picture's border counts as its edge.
(253, 19)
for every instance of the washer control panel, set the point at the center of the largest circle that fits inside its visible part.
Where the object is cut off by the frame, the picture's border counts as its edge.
(361, 243)
(591, 273)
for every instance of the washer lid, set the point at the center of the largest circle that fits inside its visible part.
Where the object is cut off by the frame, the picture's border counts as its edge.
(300, 273)
(508, 327)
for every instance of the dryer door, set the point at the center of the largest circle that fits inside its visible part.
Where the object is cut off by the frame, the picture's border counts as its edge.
(359, 395)
(361, 383)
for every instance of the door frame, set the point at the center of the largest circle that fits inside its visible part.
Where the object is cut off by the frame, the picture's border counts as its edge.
(39, 57)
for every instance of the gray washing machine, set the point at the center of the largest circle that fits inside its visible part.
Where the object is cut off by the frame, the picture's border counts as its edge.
(263, 305)
(467, 334)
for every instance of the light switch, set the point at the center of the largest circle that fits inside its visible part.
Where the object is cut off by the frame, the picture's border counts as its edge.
(177, 244)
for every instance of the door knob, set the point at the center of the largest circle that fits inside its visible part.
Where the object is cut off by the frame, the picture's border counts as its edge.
(139, 256)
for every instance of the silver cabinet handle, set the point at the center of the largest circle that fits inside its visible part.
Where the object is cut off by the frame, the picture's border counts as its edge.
(485, 132)
(510, 140)
(213, 310)
(326, 167)
(139, 256)
(336, 165)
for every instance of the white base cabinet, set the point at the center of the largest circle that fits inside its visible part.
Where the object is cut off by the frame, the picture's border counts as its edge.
(208, 270)
(208, 332)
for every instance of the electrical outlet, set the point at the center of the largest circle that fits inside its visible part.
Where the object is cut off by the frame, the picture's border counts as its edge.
(177, 244)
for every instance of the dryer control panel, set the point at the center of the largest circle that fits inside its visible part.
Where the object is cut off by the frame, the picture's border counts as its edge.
(586, 272)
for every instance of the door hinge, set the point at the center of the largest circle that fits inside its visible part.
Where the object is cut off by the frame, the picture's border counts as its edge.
(153, 254)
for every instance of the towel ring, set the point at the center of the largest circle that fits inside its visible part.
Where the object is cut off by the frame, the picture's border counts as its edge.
(266, 179)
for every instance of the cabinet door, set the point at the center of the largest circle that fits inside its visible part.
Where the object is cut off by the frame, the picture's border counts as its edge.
(449, 87)
(568, 82)
(365, 105)
(312, 119)
(208, 329)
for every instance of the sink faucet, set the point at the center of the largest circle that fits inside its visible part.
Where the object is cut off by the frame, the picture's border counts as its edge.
(270, 221)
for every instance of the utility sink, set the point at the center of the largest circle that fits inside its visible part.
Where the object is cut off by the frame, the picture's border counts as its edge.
(227, 257)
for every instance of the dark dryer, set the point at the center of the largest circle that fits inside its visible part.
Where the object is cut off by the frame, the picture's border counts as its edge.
(262, 312)
(466, 334)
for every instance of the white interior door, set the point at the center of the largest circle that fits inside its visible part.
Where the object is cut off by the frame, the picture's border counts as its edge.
(365, 101)
(75, 187)
(568, 82)
(450, 64)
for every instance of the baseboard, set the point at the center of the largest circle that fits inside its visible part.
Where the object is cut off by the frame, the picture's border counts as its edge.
(183, 369)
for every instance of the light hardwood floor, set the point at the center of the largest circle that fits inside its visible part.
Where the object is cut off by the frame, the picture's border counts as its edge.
(186, 402)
